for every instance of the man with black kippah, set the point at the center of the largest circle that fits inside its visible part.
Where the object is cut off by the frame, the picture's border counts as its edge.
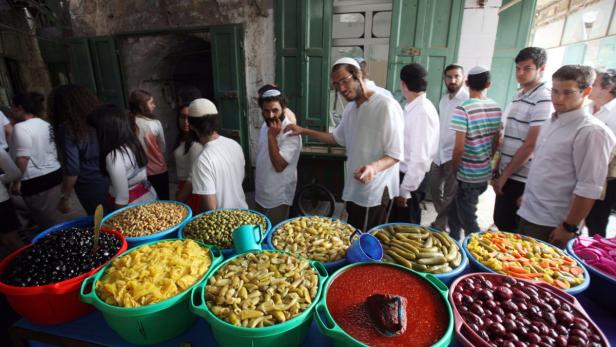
(421, 135)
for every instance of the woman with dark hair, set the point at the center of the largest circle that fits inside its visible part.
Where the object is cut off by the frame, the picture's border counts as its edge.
(218, 174)
(37, 158)
(121, 157)
(68, 107)
(187, 150)
(149, 130)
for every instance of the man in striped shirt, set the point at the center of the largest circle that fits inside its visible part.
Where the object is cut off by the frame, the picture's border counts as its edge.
(477, 123)
(530, 108)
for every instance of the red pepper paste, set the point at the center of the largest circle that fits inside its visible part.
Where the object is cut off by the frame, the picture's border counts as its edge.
(426, 313)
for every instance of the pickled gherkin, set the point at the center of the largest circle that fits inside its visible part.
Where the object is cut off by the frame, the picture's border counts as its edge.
(419, 248)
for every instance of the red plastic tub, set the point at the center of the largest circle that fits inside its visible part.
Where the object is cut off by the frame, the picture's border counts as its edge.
(52, 303)
(470, 338)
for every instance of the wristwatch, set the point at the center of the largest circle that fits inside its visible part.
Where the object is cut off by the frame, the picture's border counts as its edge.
(571, 228)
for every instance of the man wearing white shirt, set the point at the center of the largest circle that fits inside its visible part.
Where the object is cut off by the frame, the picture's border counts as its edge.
(421, 136)
(603, 96)
(277, 157)
(570, 162)
(372, 134)
(443, 182)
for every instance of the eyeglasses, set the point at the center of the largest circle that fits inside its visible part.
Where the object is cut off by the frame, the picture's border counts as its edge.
(566, 92)
(343, 81)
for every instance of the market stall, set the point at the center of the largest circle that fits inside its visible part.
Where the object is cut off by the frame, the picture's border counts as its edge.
(232, 279)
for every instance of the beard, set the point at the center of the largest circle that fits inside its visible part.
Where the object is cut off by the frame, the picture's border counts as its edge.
(453, 88)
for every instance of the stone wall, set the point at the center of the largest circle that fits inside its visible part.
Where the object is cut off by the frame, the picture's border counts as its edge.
(108, 17)
(33, 74)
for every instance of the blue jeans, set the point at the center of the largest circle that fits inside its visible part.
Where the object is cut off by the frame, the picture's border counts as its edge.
(462, 212)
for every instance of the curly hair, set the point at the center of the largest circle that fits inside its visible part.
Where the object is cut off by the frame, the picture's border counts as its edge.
(67, 107)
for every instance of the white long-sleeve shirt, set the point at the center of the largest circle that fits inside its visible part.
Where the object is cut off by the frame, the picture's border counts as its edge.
(421, 138)
(571, 157)
(447, 136)
(11, 173)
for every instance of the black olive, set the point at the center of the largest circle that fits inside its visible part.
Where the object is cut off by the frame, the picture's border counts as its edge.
(59, 256)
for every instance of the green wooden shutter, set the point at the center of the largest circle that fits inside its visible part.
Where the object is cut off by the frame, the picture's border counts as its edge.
(107, 70)
(229, 91)
(424, 32)
(303, 53)
(315, 67)
(514, 23)
(82, 72)
(288, 49)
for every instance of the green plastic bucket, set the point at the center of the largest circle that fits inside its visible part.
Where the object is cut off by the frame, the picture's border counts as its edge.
(152, 323)
(340, 338)
(287, 334)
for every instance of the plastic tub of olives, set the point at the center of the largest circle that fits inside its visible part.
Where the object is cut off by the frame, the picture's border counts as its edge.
(215, 227)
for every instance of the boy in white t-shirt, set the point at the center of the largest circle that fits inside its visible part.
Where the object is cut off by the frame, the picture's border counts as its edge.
(218, 174)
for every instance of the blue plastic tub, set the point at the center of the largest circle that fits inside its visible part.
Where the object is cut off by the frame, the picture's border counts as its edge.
(331, 266)
(448, 277)
(81, 222)
(479, 267)
(164, 234)
(229, 252)
(603, 286)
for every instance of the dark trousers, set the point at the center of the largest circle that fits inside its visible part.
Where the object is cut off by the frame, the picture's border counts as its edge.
(540, 232)
(597, 219)
(366, 218)
(412, 212)
(160, 183)
(506, 206)
(462, 213)
(91, 195)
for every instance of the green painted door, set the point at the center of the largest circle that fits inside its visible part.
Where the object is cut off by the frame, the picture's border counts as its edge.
(94, 64)
(303, 41)
(424, 32)
(514, 22)
(229, 83)
(106, 64)
(82, 72)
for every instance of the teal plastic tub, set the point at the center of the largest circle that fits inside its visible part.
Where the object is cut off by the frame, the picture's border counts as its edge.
(288, 334)
(229, 252)
(149, 324)
(163, 234)
(328, 326)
